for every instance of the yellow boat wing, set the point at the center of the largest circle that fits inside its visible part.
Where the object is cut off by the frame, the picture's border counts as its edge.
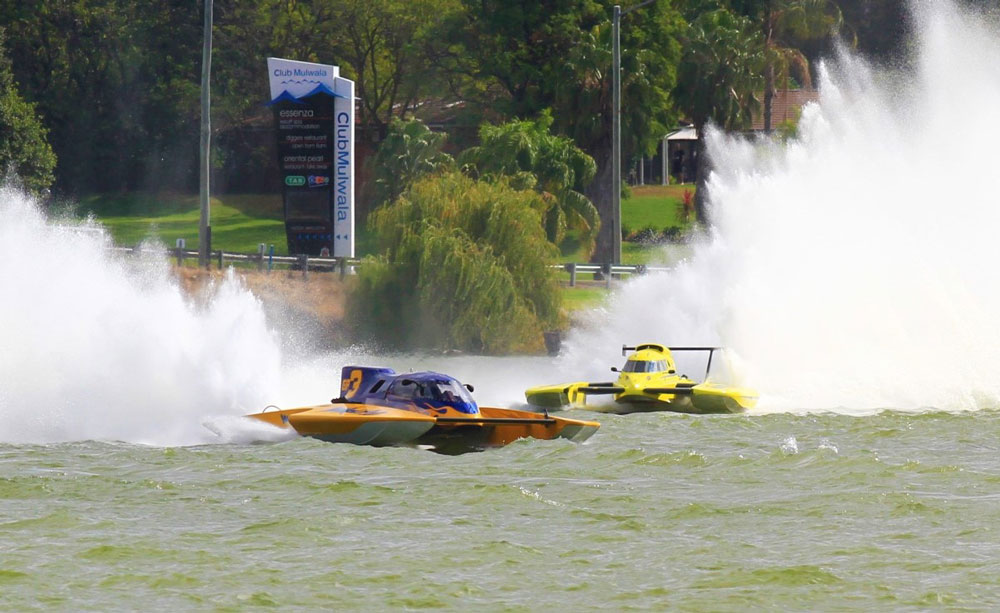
(714, 398)
(564, 395)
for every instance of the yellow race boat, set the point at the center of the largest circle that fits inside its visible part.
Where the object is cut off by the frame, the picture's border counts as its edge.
(379, 407)
(649, 382)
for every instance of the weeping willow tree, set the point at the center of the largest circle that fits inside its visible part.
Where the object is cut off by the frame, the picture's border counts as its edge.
(463, 266)
(526, 153)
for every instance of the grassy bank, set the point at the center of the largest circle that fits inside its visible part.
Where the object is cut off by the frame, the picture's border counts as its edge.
(242, 221)
(239, 221)
(655, 206)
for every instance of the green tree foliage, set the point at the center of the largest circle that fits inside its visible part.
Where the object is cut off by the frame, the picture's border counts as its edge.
(527, 153)
(720, 73)
(518, 57)
(880, 26)
(464, 266)
(378, 43)
(383, 43)
(23, 145)
(409, 152)
(785, 26)
(116, 81)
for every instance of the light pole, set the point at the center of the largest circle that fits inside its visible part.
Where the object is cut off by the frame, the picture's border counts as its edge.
(616, 130)
(205, 229)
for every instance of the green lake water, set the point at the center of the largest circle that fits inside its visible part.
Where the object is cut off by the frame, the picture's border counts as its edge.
(657, 511)
(849, 268)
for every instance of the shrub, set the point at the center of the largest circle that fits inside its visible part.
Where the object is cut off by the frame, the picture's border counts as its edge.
(24, 147)
(528, 156)
(463, 265)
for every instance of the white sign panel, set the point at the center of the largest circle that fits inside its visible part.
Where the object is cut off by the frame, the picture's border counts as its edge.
(343, 182)
(298, 78)
(294, 86)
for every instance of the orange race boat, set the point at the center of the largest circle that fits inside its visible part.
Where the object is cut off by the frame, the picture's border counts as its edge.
(379, 407)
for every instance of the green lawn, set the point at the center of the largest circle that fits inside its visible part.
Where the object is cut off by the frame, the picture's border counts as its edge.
(239, 221)
(651, 206)
(577, 298)
(654, 206)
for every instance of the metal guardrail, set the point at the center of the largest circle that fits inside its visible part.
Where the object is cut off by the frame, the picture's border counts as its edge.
(265, 260)
(607, 271)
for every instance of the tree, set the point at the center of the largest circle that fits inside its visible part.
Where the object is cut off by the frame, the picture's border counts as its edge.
(409, 152)
(464, 265)
(785, 26)
(526, 152)
(881, 26)
(382, 43)
(116, 81)
(24, 147)
(719, 74)
(514, 58)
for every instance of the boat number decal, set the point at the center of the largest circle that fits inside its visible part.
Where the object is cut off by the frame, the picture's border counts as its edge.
(351, 385)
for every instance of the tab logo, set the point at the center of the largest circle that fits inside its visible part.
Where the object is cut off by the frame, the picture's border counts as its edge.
(295, 180)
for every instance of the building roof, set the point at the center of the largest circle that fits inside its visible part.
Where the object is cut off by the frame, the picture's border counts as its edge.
(682, 133)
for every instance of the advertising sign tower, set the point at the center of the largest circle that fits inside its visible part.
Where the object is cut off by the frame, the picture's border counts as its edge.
(314, 119)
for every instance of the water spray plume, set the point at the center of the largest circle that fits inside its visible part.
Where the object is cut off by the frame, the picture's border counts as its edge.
(856, 267)
(99, 348)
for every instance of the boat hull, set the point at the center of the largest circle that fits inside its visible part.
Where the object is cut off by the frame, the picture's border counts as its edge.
(384, 426)
(700, 399)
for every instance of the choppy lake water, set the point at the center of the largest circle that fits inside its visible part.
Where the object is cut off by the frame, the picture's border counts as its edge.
(657, 511)
(851, 271)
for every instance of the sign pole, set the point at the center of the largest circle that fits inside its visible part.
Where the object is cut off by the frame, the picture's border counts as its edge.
(616, 140)
(616, 129)
(205, 229)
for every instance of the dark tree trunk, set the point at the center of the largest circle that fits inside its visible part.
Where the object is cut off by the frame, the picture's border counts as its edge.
(701, 177)
(768, 96)
(600, 193)
(769, 17)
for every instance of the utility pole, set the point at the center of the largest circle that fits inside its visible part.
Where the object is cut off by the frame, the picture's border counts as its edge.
(616, 130)
(205, 229)
(616, 140)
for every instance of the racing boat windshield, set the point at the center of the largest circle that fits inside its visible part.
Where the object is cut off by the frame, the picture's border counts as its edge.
(452, 393)
(427, 392)
(645, 366)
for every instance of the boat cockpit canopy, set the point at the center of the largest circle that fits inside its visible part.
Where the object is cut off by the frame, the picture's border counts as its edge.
(437, 392)
(645, 366)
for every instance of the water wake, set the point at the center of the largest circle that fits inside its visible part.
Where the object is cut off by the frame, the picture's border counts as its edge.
(96, 347)
(851, 269)
(854, 267)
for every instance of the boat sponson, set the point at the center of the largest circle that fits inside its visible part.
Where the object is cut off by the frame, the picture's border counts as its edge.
(352, 423)
(531, 426)
(556, 396)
